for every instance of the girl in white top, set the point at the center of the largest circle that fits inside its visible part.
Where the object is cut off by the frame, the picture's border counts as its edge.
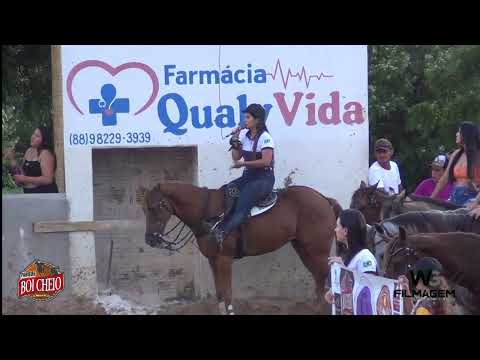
(351, 232)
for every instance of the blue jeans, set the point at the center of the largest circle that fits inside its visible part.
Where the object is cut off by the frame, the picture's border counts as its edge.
(253, 188)
(462, 195)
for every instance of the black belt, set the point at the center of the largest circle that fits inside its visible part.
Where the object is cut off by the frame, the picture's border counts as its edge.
(259, 170)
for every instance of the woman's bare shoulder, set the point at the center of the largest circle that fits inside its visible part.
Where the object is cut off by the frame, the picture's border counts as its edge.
(46, 154)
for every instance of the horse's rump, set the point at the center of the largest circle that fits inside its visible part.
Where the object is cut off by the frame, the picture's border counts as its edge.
(337, 209)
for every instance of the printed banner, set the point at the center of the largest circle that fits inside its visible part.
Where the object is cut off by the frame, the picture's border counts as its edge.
(363, 294)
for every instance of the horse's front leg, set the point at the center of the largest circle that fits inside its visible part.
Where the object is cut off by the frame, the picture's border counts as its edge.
(222, 273)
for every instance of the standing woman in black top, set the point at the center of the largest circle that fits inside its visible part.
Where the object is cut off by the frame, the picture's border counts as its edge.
(36, 173)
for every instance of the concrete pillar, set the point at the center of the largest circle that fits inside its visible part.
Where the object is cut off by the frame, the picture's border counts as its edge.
(79, 186)
(74, 177)
(57, 116)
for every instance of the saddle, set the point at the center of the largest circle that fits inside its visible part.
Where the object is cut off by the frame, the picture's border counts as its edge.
(231, 195)
(232, 192)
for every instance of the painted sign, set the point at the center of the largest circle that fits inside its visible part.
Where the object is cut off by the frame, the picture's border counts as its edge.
(357, 293)
(190, 95)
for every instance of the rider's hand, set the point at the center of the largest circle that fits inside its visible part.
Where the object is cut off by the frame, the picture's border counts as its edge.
(475, 213)
(335, 259)
(329, 296)
(236, 132)
(238, 164)
(473, 205)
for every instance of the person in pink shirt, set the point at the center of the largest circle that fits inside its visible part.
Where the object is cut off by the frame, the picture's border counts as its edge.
(426, 187)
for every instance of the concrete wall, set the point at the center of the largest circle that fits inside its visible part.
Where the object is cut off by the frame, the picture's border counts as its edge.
(138, 271)
(20, 246)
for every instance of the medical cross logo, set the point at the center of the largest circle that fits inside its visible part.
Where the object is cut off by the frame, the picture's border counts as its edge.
(109, 106)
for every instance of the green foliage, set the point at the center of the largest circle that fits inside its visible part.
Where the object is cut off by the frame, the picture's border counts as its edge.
(26, 100)
(27, 92)
(418, 95)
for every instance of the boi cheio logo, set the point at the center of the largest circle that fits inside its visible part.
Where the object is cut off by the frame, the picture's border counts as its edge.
(41, 281)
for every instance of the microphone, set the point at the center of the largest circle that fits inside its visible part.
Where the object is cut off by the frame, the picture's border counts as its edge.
(234, 131)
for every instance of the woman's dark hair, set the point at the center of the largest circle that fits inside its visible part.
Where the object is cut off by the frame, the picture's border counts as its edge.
(46, 139)
(47, 143)
(470, 134)
(354, 221)
(261, 126)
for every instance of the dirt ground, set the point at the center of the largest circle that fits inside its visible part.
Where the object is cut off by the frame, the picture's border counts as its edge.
(260, 306)
(58, 307)
(264, 306)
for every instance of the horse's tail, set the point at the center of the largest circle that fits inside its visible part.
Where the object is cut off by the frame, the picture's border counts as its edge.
(337, 209)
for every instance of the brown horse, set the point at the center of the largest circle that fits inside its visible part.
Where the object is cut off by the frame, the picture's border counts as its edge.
(456, 251)
(301, 216)
(376, 205)
(369, 201)
(379, 235)
(401, 204)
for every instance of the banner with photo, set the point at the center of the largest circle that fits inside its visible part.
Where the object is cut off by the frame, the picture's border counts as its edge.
(363, 294)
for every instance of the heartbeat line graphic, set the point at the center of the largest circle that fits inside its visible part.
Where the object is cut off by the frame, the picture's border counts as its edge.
(302, 75)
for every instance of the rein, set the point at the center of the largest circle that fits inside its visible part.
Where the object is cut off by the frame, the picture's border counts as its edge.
(393, 253)
(177, 244)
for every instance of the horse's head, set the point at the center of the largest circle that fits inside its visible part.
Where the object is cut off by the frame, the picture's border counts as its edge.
(399, 257)
(369, 201)
(392, 205)
(158, 210)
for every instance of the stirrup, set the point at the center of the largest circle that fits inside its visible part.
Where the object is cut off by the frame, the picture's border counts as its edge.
(214, 226)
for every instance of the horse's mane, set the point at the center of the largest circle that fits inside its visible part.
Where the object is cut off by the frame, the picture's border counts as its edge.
(435, 221)
(446, 204)
(418, 219)
(166, 188)
(379, 191)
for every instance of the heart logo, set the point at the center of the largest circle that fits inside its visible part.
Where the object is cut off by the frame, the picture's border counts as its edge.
(113, 71)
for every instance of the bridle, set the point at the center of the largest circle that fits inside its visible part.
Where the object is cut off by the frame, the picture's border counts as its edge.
(393, 253)
(177, 244)
(373, 233)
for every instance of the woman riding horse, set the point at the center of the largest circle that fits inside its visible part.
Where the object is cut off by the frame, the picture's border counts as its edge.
(256, 149)
(464, 169)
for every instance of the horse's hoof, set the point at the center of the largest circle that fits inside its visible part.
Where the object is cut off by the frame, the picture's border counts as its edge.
(222, 308)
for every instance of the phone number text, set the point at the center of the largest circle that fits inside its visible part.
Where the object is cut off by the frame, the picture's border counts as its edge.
(109, 138)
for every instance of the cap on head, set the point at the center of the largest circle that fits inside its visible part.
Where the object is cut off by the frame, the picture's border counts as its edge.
(440, 161)
(427, 264)
(383, 144)
(256, 110)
